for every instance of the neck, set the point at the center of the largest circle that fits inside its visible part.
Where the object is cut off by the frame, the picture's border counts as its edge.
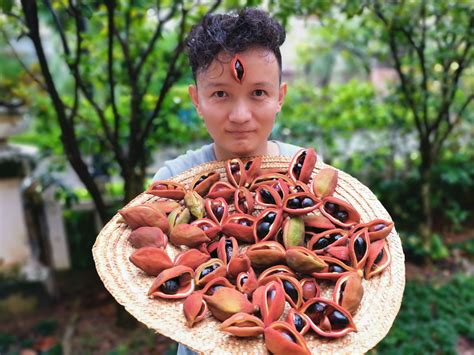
(268, 148)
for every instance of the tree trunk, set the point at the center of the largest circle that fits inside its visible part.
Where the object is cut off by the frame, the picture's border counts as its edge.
(425, 190)
(134, 185)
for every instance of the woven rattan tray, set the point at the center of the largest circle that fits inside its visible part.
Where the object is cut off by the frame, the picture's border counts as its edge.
(129, 285)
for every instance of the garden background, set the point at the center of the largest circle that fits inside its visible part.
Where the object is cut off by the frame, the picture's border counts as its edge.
(93, 98)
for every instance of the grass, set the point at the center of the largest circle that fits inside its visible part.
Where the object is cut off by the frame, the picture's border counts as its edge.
(432, 318)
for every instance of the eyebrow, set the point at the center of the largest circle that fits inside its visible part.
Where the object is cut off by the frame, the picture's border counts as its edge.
(218, 84)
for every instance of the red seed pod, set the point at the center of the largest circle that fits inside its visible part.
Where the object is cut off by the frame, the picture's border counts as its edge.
(302, 165)
(201, 184)
(174, 283)
(167, 189)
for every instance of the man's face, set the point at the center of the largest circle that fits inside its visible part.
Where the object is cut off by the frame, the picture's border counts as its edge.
(240, 116)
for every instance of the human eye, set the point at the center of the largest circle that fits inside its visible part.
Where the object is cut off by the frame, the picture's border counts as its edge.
(220, 94)
(259, 93)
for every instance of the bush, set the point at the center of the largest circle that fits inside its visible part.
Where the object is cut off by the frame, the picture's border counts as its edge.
(432, 318)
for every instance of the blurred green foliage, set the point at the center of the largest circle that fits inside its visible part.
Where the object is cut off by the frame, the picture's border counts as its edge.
(432, 318)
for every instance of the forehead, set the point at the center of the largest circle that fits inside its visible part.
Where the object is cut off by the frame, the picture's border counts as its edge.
(259, 65)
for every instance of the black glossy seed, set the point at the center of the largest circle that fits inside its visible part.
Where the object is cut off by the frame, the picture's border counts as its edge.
(338, 320)
(209, 269)
(289, 336)
(245, 222)
(360, 246)
(316, 311)
(298, 322)
(269, 217)
(219, 212)
(267, 196)
(201, 179)
(307, 202)
(229, 249)
(335, 268)
(290, 290)
(170, 287)
(294, 203)
(213, 254)
(331, 208)
(248, 165)
(377, 227)
(379, 257)
(243, 280)
(299, 189)
(234, 167)
(342, 216)
(262, 229)
(335, 237)
(297, 169)
(322, 243)
(279, 237)
(271, 295)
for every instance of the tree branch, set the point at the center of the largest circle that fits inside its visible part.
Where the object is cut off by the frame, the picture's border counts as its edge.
(59, 27)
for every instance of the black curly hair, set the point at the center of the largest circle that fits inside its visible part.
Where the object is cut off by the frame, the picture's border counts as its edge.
(233, 33)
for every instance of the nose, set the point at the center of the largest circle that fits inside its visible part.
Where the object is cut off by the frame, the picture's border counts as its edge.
(240, 113)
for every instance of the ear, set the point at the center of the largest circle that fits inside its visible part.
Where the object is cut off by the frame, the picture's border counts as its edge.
(281, 95)
(193, 94)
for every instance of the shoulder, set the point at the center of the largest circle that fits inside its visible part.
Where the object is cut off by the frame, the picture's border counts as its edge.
(288, 150)
(185, 161)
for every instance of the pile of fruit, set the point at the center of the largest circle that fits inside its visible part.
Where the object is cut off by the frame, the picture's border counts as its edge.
(255, 249)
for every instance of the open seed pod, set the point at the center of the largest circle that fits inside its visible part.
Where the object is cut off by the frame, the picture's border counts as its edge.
(297, 187)
(320, 242)
(299, 321)
(202, 184)
(243, 200)
(188, 235)
(310, 288)
(226, 301)
(194, 308)
(339, 212)
(293, 232)
(327, 318)
(148, 237)
(334, 269)
(167, 189)
(179, 215)
(240, 226)
(378, 260)
(325, 182)
(277, 269)
(165, 206)
(227, 248)
(212, 286)
(217, 209)
(236, 173)
(246, 282)
(300, 203)
(317, 223)
(221, 189)
(359, 244)
(242, 325)
(302, 165)
(151, 260)
(144, 215)
(267, 196)
(173, 283)
(281, 338)
(304, 260)
(209, 270)
(191, 258)
(348, 291)
(269, 179)
(291, 286)
(210, 248)
(267, 224)
(252, 168)
(270, 300)
(265, 254)
(377, 229)
(208, 226)
(238, 263)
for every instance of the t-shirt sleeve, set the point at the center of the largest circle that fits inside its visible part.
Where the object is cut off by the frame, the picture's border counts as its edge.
(164, 173)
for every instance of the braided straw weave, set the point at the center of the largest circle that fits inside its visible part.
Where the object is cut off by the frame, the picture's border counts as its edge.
(129, 285)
